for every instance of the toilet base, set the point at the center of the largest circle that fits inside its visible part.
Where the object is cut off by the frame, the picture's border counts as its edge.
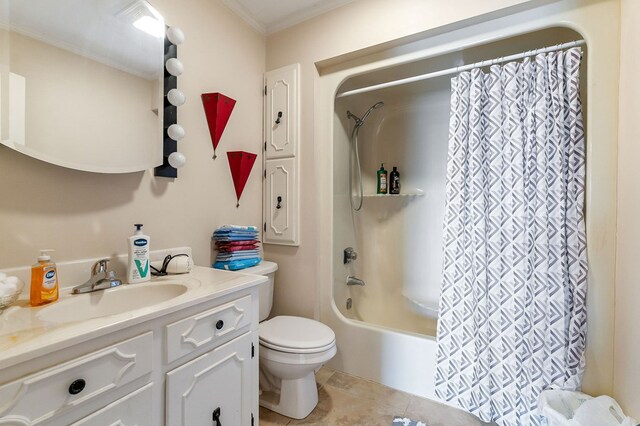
(296, 397)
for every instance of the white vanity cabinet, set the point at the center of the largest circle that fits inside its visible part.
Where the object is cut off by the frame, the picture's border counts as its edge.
(175, 369)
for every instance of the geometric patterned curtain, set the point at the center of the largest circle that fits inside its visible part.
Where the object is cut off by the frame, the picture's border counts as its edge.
(512, 318)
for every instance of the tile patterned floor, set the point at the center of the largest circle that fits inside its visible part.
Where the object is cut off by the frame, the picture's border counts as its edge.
(346, 400)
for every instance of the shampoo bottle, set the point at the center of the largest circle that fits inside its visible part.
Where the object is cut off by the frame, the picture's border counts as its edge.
(382, 180)
(44, 280)
(394, 181)
(138, 265)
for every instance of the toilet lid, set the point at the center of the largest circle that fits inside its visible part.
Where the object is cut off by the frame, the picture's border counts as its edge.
(302, 334)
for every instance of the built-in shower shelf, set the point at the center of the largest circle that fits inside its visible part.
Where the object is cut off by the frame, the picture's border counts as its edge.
(411, 193)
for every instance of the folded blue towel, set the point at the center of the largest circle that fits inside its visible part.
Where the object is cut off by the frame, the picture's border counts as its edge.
(237, 228)
(236, 265)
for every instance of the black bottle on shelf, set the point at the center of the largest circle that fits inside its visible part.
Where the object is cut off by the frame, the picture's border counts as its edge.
(394, 181)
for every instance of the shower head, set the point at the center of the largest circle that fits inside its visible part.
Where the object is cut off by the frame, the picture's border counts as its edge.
(376, 106)
(360, 121)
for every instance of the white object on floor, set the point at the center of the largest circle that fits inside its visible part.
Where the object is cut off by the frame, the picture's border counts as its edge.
(568, 408)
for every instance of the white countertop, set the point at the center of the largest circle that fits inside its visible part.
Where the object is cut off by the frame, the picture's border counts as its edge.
(24, 336)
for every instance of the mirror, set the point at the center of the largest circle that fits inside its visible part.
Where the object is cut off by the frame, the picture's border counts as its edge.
(81, 82)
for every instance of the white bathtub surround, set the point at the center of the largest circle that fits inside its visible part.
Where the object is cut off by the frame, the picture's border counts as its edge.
(513, 306)
(378, 352)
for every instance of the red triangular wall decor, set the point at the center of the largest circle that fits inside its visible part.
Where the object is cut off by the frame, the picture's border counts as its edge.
(240, 164)
(217, 108)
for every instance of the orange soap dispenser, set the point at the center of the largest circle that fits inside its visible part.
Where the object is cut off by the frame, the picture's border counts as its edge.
(44, 280)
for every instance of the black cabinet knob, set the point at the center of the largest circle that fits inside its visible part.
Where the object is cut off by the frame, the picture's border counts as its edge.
(77, 386)
(219, 324)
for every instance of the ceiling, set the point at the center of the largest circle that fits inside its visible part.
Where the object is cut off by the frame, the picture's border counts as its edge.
(269, 16)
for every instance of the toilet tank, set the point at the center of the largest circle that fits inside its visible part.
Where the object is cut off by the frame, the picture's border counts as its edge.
(265, 291)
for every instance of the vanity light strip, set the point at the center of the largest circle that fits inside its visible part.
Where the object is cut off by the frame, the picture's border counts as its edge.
(170, 115)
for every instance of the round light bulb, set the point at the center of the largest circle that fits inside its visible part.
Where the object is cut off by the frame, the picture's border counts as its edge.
(177, 160)
(176, 132)
(175, 35)
(174, 67)
(176, 97)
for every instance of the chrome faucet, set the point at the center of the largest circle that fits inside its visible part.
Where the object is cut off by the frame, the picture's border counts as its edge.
(101, 279)
(354, 281)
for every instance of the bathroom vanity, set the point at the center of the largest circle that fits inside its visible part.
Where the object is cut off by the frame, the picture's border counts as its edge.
(178, 350)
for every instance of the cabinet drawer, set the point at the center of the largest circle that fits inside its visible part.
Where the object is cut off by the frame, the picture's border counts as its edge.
(190, 334)
(39, 396)
(132, 410)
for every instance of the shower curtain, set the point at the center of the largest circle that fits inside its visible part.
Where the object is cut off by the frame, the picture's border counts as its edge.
(512, 310)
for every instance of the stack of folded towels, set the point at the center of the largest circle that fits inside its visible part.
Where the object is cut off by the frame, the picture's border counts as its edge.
(237, 247)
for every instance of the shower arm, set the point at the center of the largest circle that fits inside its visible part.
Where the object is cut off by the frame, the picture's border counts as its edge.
(354, 148)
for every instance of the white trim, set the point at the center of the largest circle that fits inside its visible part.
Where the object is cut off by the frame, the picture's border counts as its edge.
(245, 15)
(304, 15)
(286, 21)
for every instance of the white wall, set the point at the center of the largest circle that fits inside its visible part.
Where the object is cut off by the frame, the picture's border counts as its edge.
(627, 336)
(85, 215)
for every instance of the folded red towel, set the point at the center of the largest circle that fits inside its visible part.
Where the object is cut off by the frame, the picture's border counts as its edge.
(236, 243)
(237, 248)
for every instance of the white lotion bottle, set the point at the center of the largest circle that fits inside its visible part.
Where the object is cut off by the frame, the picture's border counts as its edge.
(138, 266)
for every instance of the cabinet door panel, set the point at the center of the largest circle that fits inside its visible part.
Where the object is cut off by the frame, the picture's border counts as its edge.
(221, 379)
(281, 112)
(281, 202)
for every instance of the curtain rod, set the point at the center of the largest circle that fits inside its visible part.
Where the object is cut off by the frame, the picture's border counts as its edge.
(461, 68)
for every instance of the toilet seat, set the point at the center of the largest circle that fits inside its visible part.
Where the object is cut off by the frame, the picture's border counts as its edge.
(296, 335)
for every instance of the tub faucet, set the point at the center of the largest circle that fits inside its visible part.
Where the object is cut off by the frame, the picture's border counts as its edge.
(354, 281)
(101, 279)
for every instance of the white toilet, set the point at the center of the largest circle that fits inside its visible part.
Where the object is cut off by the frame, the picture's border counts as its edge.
(292, 349)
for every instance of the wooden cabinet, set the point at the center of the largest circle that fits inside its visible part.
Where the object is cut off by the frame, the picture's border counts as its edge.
(173, 370)
(282, 156)
(216, 385)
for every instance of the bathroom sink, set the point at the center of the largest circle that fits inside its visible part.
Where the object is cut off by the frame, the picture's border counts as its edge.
(110, 302)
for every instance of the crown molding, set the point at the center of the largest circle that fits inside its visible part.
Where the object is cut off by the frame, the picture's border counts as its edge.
(246, 16)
